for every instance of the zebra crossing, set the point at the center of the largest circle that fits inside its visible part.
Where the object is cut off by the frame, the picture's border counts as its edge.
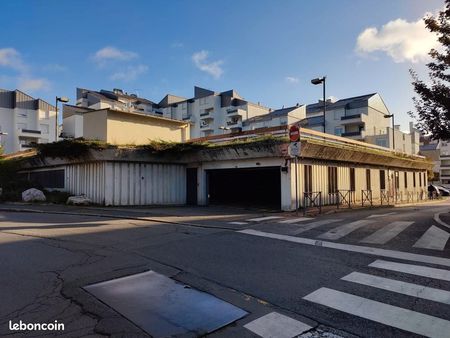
(388, 314)
(432, 238)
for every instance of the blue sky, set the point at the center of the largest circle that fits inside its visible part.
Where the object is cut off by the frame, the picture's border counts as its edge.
(267, 50)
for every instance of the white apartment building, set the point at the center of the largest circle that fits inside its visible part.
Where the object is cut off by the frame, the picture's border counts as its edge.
(362, 118)
(24, 121)
(209, 112)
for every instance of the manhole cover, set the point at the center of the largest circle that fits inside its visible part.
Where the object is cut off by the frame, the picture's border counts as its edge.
(163, 307)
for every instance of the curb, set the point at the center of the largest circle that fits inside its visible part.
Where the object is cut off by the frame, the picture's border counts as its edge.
(114, 216)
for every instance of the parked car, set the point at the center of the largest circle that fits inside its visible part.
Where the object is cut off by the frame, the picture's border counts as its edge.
(443, 190)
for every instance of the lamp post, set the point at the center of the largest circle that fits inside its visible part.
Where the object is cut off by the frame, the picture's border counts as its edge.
(318, 81)
(393, 129)
(58, 99)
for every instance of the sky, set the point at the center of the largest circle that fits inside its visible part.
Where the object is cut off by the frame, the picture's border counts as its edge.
(268, 51)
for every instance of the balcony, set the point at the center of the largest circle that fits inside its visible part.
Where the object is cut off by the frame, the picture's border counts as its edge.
(206, 126)
(355, 135)
(30, 133)
(235, 111)
(351, 119)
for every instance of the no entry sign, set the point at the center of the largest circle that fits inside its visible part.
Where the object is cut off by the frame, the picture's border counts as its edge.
(294, 133)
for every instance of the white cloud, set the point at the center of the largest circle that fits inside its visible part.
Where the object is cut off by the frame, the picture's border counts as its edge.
(400, 39)
(291, 79)
(213, 68)
(110, 53)
(130, 73)
(22, 79)
(33, 84)
(11, 58)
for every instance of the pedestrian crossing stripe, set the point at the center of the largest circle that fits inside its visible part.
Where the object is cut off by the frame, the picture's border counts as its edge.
(262, 219)
(434, 238)
(409, 289)
(411, 269)
(386, 233)
(312, 225)
(386, 314)
(295, 220)
(344, 230)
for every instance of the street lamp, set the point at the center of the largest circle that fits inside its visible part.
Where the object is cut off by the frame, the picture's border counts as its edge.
(318, 81)
(62, 99)
(393, 129)
(224, 128)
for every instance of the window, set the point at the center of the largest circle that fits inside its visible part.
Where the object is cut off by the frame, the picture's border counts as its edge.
(184, 106)
(406, 179)
(424, 179)
(308, 178)
(332, 180)
(44, 128)
(420, 180)
(44, 114)
(352, 179)
(396, 180)
(338, 131)
(414, 180)
(368, 180)
(382, 180)
(382, 142)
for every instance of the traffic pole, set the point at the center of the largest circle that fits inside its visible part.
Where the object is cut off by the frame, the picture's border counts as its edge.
(296, 185)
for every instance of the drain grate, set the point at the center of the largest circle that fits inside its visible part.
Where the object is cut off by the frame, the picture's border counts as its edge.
(163, 307)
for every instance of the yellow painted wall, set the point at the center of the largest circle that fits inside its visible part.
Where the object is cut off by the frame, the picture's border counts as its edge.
(133, 129)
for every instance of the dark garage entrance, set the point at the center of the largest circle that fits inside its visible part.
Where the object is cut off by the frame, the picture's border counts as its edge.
(250, 187)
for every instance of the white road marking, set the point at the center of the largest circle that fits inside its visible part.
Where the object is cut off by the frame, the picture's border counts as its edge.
(434, 238)
(238, 223)
(295, 220)
(386, 233)
(404, 288)
(382, 215)
(438, 219)
(344, 230)
(261, 219)
(417, 270)
(277, 325)
(312, 225)
(352, 248)
(386, 314)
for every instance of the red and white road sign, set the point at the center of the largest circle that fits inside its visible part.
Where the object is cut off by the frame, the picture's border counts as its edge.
(294, 133)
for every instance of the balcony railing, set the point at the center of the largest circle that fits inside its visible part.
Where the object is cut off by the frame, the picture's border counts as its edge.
(348, 117)
(353, 133)
(31, 131)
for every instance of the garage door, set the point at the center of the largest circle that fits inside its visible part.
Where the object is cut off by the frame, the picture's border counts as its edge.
(250, 187)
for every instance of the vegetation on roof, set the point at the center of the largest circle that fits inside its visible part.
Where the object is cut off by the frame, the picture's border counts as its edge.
(72, 149)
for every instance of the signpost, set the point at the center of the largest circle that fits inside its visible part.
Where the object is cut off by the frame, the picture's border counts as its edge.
(294, 152)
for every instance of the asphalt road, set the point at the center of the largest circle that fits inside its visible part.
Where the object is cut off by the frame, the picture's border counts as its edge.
(356, 273)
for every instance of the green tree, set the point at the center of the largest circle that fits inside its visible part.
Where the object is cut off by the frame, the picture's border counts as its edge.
(433, 99)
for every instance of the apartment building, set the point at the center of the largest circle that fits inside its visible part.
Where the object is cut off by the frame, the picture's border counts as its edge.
(362, 118)
(275, 118)
(431, 149)
(24, 121)
(208, 112)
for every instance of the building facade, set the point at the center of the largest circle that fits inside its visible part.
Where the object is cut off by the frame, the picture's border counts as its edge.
(24, 121)
(362, 118)
(208, 112)
(257, 174)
